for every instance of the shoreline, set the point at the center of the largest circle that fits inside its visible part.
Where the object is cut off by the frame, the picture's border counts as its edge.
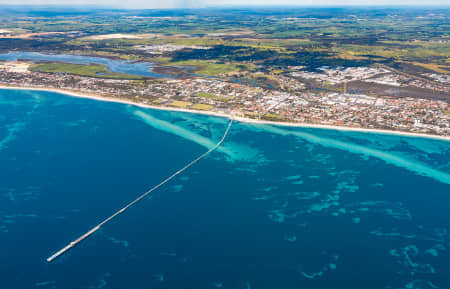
(217, 114)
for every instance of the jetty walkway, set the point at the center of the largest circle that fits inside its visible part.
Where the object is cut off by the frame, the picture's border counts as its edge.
(97, 227)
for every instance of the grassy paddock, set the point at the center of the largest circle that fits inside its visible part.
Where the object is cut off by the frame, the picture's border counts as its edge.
(201, 106)
(181, 104)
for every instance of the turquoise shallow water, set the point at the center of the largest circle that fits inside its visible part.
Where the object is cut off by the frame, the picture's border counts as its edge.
(275, 207)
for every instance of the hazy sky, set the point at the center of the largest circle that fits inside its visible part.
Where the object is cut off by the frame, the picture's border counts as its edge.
(205, 3)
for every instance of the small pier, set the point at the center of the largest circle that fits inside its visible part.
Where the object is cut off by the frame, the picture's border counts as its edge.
(96, 228)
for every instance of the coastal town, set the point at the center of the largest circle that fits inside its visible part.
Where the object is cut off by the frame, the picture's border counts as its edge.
(227, 97)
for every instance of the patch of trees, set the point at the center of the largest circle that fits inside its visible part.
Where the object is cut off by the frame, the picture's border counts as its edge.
(25, 44)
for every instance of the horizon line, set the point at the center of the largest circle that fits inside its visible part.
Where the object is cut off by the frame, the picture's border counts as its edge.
(118, 7)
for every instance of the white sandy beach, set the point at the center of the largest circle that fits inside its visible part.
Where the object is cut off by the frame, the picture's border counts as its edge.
(235, 118)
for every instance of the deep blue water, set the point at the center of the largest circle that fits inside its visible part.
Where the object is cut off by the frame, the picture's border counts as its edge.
(275, 207)
(114, 65)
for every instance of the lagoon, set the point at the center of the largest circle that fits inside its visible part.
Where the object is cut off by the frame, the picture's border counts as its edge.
(114, 65)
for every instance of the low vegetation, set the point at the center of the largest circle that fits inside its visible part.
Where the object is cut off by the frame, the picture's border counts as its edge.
(201, 106)
(181, 104)
(212, 96)
(92, 70)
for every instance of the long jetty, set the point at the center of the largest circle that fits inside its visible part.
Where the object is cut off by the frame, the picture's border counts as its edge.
(97, 227)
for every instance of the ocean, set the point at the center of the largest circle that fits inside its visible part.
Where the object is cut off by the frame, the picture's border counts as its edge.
(274, 207)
